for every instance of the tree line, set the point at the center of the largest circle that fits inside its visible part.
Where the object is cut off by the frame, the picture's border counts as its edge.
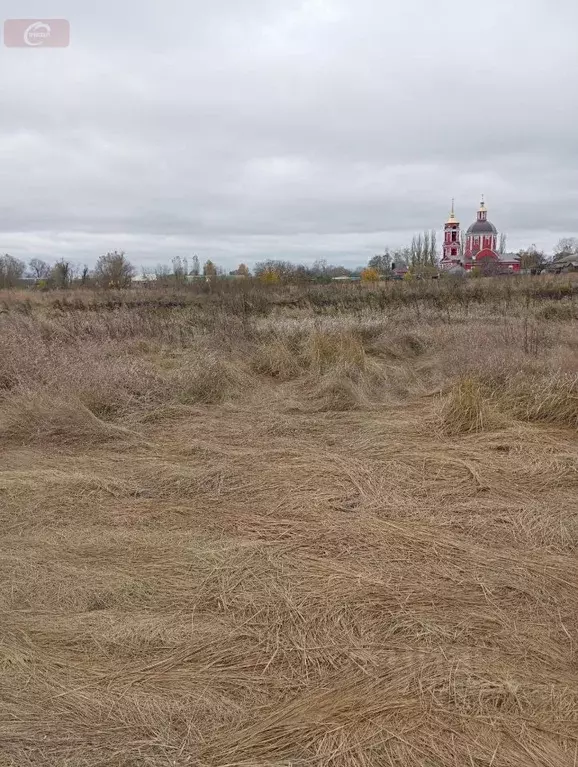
(114, 270)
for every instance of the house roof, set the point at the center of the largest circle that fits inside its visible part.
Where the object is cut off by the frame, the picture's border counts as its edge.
(511, 258)
(570, 260)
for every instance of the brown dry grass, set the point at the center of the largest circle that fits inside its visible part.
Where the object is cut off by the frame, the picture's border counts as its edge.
(297, 539)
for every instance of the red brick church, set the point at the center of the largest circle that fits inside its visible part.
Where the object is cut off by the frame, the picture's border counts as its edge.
(480, 248)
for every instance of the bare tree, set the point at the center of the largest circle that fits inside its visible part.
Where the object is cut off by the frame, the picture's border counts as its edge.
(196, 267)
(401, 258)
(273, 270)
(488, 266)
(532, 259)
(416, 250)
(433, 248)
(180, 270)
(503, 244)
(113, 270)
(567, 246)
(423, 251)
(420, 248)
(426, 248)
(162, 273)
(61, 274)
(11, 271)
(40, 269)
(319, 269)
(381, 262)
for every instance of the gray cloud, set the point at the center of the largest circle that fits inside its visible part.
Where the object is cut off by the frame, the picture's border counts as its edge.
(320, 128)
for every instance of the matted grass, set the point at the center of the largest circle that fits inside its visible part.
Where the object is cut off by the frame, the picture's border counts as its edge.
(340, 541)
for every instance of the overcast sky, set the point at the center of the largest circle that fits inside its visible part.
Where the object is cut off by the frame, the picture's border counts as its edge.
(299, 129)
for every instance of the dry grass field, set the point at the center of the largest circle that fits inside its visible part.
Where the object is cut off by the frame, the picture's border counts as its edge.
(321, 527)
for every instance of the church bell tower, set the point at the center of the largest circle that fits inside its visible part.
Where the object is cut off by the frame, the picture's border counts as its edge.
(452, 239)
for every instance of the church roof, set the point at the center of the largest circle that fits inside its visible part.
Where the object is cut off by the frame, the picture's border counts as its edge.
(482, 227)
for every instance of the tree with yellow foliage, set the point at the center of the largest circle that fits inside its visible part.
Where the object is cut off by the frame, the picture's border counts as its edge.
(370, 275)
(270, 276)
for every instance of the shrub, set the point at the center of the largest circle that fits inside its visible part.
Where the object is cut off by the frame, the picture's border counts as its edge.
(207, 380)
(341, 389)
(561, 311)
(467, 408)
(113, 270)
(61, 274)
(322, 350)
(274, 358)
(551, 399)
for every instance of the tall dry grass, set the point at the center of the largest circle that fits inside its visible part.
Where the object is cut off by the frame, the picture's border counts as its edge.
(290, 527)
